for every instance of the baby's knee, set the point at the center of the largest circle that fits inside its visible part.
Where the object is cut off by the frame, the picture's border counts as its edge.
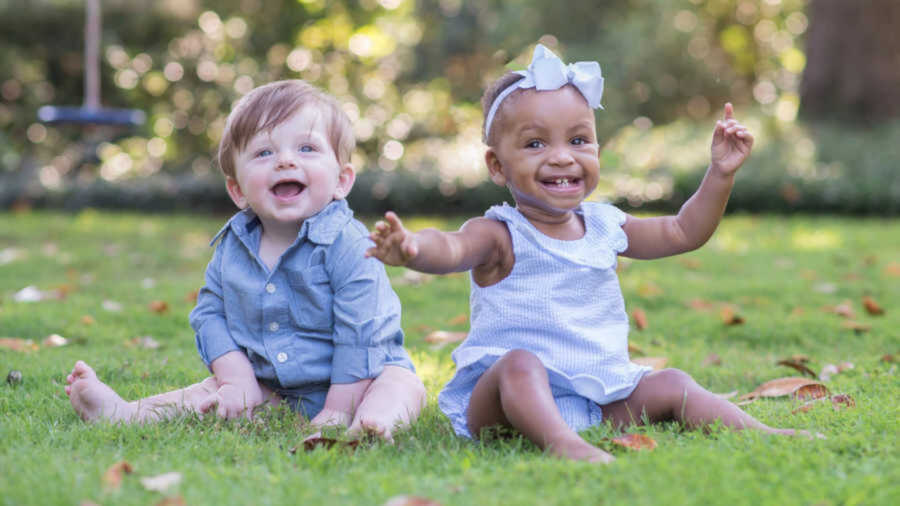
(675, 381)
(521, 365)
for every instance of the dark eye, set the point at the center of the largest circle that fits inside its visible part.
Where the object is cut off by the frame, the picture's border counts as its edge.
(534, 144)
(578, 141)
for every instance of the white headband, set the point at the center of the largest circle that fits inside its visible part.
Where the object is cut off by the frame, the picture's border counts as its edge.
(548, 72)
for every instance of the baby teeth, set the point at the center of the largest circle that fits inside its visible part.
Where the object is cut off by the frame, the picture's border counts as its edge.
(562, 182)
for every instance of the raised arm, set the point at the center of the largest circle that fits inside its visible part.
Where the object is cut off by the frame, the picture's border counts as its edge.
(479, 243)
(698, 218)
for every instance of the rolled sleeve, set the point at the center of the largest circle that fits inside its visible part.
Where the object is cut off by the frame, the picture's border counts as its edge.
(367, 332)
(208, 317)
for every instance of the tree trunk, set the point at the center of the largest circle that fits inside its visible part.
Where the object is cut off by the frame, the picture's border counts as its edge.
(852, 60)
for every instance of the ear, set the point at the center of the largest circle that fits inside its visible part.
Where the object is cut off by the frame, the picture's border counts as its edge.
(495, 167)
(235, 192)
(346, 178)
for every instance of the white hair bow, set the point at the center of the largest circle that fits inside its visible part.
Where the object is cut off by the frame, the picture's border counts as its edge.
(548, 72)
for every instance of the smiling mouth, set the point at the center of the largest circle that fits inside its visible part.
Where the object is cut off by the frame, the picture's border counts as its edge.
(287, 189)
(561, 182)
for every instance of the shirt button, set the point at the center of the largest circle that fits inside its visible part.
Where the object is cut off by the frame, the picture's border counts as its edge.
(270, 288)
(281, 357)
(273, 326)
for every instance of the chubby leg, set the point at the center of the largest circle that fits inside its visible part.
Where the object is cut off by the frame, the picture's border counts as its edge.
(94, 400)
(515, 392)
(393, 400)
(671, 394)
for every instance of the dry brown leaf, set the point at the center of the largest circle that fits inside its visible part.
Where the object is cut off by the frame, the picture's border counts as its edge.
(633, 348)
(690, 263)
(889, 358)
(892, 269)
(872, 307)
(838, 401)
(161, 482)
(729, 317)
(798, 311)
(445, 336)
(856, 326)
(311, 444)
(844, 309)
(112, 478)
(655, 362)
(798, 387)
(459, 319)
(635, 441)
(17, 344)
(701, 305)
(649, 290)
(640, 319)
(712, 359)
(88, 320)
(159, 306)
(172, 501)
(798, 365)
(410, 500)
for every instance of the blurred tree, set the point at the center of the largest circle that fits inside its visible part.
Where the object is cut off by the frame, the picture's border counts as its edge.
(853, 60)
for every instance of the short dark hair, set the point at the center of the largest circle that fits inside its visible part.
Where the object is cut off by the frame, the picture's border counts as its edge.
(487, 100)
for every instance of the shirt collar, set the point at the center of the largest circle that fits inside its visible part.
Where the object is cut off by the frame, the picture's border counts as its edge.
(321, 228)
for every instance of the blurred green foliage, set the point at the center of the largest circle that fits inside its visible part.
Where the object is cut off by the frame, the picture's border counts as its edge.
(409, 73)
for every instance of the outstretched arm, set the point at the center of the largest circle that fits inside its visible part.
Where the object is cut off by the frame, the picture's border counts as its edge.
(478, 243)
(699, 216)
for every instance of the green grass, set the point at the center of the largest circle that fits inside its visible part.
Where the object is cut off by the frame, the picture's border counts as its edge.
(777, 272)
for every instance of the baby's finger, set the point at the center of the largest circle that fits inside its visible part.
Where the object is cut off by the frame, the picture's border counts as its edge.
(393, 220)
(208, 403)
(729, 111)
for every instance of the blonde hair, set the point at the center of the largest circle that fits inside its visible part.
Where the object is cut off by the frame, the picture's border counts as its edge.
(270, 105)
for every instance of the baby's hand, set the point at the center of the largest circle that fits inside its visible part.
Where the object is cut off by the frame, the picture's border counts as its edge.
(394, 245)
(230, 401)
(731, 144)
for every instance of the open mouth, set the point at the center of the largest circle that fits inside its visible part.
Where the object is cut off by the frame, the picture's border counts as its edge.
(288, 189)
(561, 183)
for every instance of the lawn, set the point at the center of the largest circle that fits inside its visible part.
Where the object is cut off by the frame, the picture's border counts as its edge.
(118, 288)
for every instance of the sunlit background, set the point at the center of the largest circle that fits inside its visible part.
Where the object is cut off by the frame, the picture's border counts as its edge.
(410, 74)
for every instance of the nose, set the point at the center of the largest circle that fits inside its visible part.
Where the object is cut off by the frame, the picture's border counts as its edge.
(561, 156)
(285, 160)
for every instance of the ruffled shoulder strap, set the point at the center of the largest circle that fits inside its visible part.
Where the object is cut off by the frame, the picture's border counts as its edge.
(607, 221)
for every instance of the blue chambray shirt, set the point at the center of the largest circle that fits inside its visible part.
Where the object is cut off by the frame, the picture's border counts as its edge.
(325, 313)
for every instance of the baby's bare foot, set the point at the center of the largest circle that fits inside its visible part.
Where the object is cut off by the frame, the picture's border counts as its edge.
(367, 424)
(579, 449)
(92, 399)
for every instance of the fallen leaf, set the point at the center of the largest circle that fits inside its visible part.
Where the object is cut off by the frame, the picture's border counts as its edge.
(445, 336)
(162, 482)
(798, 387)
(112, 478)
(655, 362)
(172, 501)
(798, 365)
(633, 348)
(146, 342)
(701, 305)
(17, 344)
(829, 370)
(872, 307)
(459, 319)
(798, 311)
(838, 401)
(311, 444)
(856, 326)
(635, 441)
(14, 377)
(111, 306)
(690, 263)
(889, 358)
(55, 340)
(712, 359)
(649, 290)
(640, 319)
(159, 306)
(892, 269)
(844, 309)
(88, 320)
(729, 317)
(410, 500)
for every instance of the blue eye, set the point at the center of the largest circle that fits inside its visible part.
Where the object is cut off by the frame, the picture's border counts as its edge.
(306, 148)
(263, 152)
